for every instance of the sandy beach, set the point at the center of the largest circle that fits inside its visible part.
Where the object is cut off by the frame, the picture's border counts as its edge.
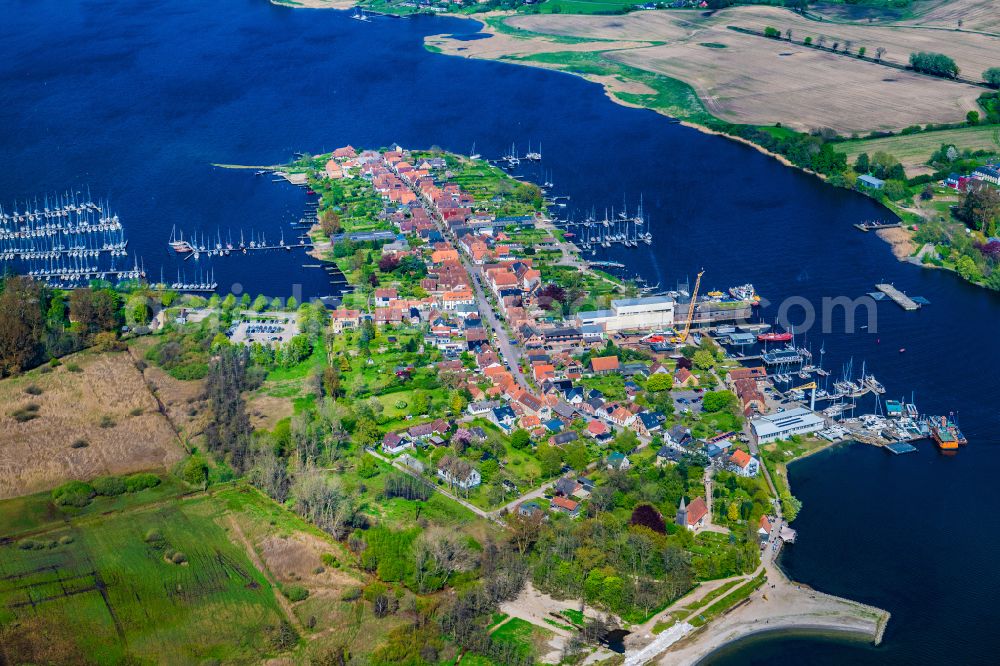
(901, 241)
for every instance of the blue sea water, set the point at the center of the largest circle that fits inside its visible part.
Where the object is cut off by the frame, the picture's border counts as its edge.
(136, 100)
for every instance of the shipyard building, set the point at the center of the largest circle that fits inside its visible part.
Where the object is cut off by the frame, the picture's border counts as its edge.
(632, 314)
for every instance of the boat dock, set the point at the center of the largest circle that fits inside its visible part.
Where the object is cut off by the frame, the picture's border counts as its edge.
(875, 226)
(899, 297)
(898, 448)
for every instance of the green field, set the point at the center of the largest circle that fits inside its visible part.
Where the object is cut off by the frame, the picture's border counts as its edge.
(915, 149)
(584, 6)
(100, 587)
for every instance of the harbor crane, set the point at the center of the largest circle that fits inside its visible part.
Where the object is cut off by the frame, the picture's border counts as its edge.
(680, 339)
(810, 385)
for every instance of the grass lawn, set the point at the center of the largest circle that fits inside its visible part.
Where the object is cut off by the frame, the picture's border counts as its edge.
(915, 149)
(526, 637)
(102, 589)
(724, 604)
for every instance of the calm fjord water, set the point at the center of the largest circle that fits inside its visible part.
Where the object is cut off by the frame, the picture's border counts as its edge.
(137, 99)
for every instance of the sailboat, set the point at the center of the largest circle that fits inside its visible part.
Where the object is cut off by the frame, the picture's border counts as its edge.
(359, 14)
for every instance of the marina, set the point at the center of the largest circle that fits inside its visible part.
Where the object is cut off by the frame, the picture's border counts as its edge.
(195, 247)
(612, 229)
(66, 241)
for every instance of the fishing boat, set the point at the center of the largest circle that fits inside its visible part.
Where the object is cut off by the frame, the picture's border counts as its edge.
(745, 292)
(945, 435)
(774, 337)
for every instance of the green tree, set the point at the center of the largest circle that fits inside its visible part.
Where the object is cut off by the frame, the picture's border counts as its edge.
(366, 432)
(229, 302)
(972, 117)
(259, 303)
(21, 324)
(716, 401)
(550, 458)
(992, 77)
(195, 471)
(862, 164)
(659, 382)
(937, 64)
(520, 439)
(703, 359)
(576, 455)
(625, 441)
(980, 208)
(420, 403)
(95, 310)
(457, 402)
(895, 190)
(137, 310)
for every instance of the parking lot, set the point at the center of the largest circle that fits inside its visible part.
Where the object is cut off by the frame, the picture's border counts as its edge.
(275, 329)
(687, 400)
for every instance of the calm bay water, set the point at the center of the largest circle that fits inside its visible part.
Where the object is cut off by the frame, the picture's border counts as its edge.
(136, 100)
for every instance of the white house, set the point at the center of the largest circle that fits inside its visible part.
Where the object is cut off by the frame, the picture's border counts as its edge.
(743, 463)
(458, 473)
(394, 443)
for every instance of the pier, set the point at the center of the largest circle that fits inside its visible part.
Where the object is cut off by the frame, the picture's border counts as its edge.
(899, 297)
(875, 226)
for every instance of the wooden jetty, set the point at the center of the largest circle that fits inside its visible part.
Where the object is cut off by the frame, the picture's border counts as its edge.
(875, 226)
(899, 297)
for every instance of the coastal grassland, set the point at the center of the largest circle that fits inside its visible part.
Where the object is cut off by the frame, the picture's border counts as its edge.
(776, 456)
(157, 580)
(729, 600)
(915, 150)
(631, 85)
(91, 415)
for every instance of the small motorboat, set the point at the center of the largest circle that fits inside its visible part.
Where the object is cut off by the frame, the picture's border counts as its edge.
(902, 350)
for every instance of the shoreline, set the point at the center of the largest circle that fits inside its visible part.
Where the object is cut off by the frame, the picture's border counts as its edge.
(781, 605)
(901, 245)
(315, 4)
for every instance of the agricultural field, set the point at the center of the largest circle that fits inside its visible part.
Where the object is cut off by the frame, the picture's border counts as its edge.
(749, 79)
(91, 415)
(159, 581)
(914, 150)
(763, 82)
(975, 15)
(972, 52)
